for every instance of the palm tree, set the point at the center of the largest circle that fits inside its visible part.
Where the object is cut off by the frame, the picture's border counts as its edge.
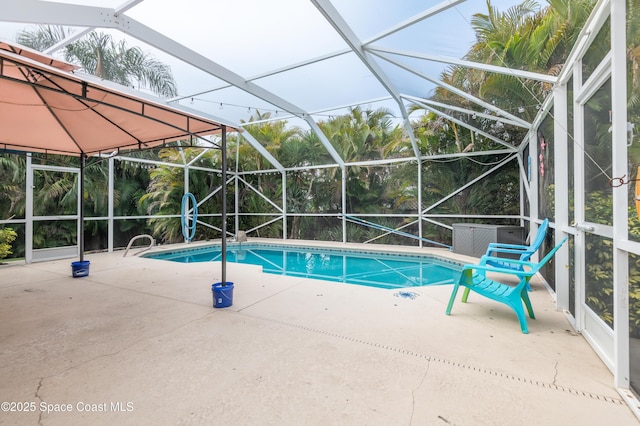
(302, 152)
(528, 38)
(98, 54)
(43, 37)
(163, 196)
(362, 134)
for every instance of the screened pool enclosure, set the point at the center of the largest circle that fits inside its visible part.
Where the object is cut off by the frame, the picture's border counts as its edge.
(360, 121)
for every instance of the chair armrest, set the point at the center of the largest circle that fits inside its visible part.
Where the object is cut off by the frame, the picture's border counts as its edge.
(505, 250)
(482, 265)
(499, 262)
(518, 273)
(508, 246)
(522, 263)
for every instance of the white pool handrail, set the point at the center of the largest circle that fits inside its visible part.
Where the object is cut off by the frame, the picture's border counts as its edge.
(137, 237)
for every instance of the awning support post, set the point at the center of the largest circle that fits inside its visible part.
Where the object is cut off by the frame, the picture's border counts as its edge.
(224, 204)
(83, 159)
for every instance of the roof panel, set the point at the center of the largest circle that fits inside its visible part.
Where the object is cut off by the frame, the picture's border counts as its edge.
(345, 77)
(98, 3)
(260, 45)
(370, 17)
(248, 37)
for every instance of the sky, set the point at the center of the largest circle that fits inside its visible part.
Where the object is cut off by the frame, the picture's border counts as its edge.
(252, 37)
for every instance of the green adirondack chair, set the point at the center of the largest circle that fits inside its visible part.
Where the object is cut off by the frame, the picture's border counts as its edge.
(474, 278)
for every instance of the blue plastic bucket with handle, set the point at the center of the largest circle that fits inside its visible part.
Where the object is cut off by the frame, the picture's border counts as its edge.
(222, 294)
(80, 269)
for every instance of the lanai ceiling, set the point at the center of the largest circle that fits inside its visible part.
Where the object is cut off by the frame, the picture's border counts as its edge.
(302, 61)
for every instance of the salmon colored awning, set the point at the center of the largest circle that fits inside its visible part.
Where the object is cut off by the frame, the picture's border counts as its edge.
(44, 107)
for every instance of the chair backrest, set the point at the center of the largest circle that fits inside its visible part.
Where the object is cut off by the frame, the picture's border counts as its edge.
(535, 267)
(537, 241)
(542, 231)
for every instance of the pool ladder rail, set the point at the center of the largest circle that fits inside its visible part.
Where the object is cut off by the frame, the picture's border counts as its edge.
(152, 242)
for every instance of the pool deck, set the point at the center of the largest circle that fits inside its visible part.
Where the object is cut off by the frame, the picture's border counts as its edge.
(138, 342)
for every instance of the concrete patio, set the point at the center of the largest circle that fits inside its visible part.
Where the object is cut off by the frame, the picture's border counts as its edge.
(138, 342)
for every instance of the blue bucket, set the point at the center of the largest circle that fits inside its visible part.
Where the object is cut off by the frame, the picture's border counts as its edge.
(222, 295)
(80, 269)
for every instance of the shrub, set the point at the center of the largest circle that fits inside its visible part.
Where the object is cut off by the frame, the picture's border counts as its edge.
(7, 236)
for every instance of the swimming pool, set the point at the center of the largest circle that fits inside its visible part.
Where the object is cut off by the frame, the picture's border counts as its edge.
(369, 268)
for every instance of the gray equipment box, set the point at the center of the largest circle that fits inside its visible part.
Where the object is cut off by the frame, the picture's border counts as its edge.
(472, 239)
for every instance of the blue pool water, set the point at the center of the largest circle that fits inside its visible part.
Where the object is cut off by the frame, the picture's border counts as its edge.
(374, 269)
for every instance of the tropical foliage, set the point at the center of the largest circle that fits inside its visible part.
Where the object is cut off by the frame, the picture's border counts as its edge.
(633, 112)
(100, 55)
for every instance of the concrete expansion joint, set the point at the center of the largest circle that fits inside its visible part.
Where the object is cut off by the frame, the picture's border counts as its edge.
(268, 297)
(38, 397)
(413, 393)
(145, 293)
(550, 386)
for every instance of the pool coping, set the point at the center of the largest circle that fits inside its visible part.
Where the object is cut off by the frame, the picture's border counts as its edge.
(378, 249)
(332, 250)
